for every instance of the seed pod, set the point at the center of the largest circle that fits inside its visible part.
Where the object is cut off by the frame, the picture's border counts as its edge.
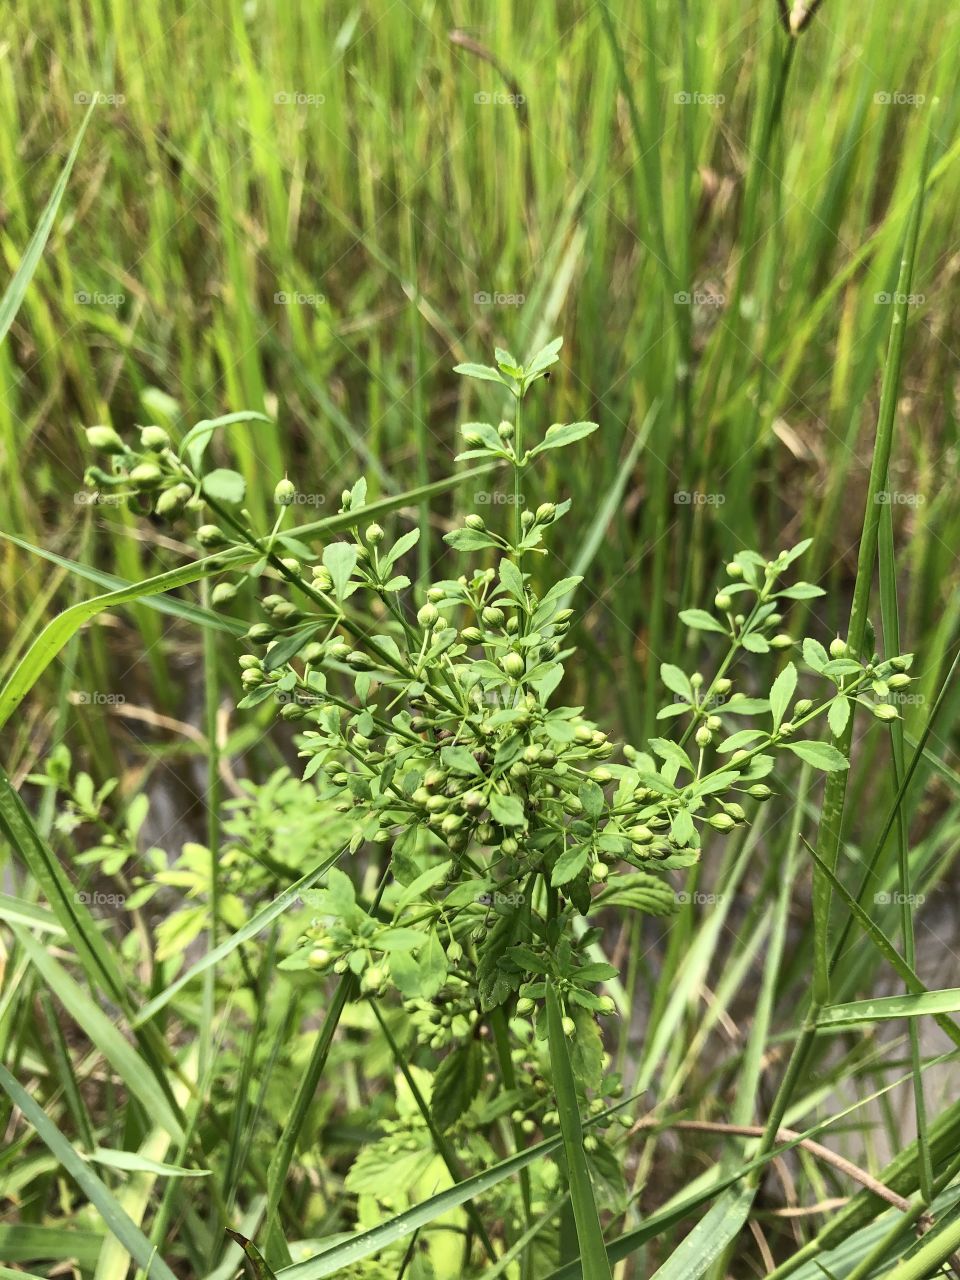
(105, 439)
(285, 492)
(509, 846)
(640, 835)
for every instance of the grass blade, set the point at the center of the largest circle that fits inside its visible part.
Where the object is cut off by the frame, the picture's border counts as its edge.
(709, 1238)
(589, 1235)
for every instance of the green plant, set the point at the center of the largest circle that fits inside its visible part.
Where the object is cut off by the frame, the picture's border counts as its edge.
(502, 816)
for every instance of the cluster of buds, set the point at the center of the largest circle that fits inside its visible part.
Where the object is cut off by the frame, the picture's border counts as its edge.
(152, 477)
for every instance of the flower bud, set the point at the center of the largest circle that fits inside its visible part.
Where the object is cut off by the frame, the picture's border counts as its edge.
(524, 1005)
(640, 835)
(723, 686)
(146, 475)
(886, 711)
(473, 521)
(734, 570)
(171, 501)
(492, 616)
(291, 563)
(607, 1005)
(781, 641)
(211, 535)
(154, 438)
(260, 633)
(546, 512)
(802, 707)
(374, 534)
(760, 791)
(599, 871)
(105, 439)
(505, 430)
(249, 661)
(723, 602)
(373, 979)
(899, 681)
(569, 1027)
(436, 594)
(513, 665)
(722, 822)
(312, 652)
(428, 614)
(703, 736)
(471, 635)
(838, 648)
(285, 492)
(223, 593)
(251, 678)
(321, 578)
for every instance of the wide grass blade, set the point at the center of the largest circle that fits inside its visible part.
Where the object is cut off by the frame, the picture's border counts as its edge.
(593, 1253)
(886, 1007)
(114, 1217)
(709, 1238)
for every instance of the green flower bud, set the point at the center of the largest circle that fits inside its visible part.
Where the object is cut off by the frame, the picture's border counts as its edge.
(285, 492)
(312, 652)
(428, 614)
(696, 680)
(703, 736)
(802, 707)
(722, 822)
(781, 641)
(171, 501)
(723, 602)
(640, 835)
(373, 979)
(509, 846)
(211, 535)
(250, 662)
(251, 678)
(154, 438)
(290, 563)
(492, 616)
(105, 439)
(223, 593)
(474, 521)
(505, 430)
(885, 711)
(146, 475)
(899, 681)
(734, 570)
(599, 871)
(838, 648)
(374, 534)
(546, 512)
(760, 791)
(471, 635)
(260, 633)
(513, 665)
(436, 594)
(569, 1026)
(292, 711)
(607, 1005)
(524, 1005)
(723, 686)
(318, 958)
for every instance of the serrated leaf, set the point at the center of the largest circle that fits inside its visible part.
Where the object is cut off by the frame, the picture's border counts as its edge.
(507, 810)
(591, 797)
(456, 1083)
(814, 654)
(569, 865)
(753, 642)
(563, 433)
(483, 372)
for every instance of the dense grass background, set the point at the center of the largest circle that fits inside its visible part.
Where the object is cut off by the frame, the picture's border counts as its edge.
(316, 212)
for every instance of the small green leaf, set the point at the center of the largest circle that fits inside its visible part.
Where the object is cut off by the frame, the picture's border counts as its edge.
(563, 433)
(481, 371)
(569, 865)
(700, 620)
(819, 754)
(781, 694)
(224, 485)
(456, 1084)
(341, 559)
(507, 810)
(838, 715)
(676, 680)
